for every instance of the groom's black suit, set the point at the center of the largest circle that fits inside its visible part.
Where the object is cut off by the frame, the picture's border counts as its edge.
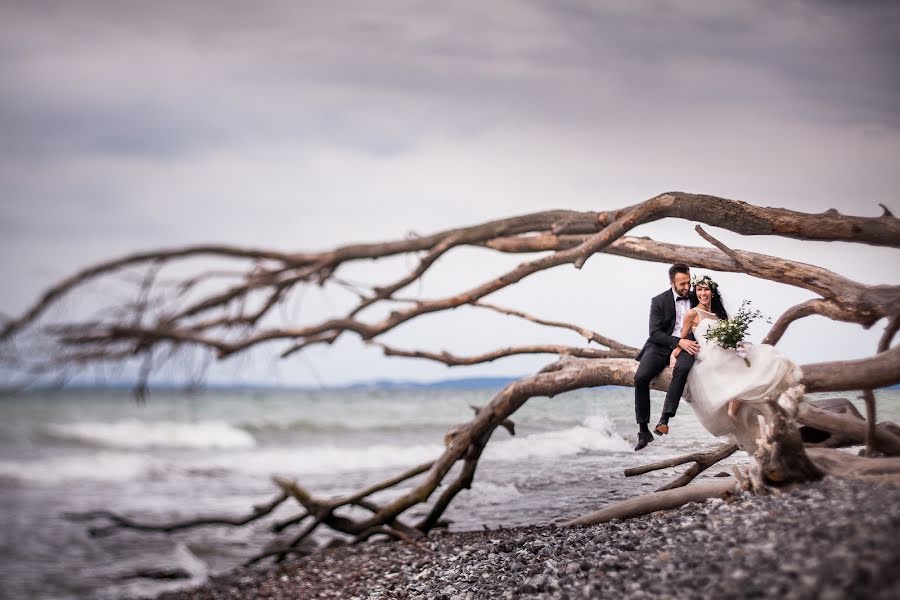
(654, 357)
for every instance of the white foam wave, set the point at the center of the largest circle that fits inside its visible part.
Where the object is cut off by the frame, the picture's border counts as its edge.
(102, 466)
(596, 433)
(486, 492)
(322, 460)
(133, 434)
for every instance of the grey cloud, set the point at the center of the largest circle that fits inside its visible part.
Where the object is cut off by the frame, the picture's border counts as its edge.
(161, 131)
(35, 130)
(379, 79)
(797, 57)
(127, 125)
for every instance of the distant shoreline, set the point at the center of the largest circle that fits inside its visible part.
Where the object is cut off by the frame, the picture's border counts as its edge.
(377, 384)
(464, 383)
(474, 383)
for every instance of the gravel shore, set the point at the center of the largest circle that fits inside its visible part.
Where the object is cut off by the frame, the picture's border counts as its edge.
(831, 540)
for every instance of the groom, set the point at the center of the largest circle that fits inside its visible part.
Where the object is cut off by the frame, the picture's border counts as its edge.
(667, 312)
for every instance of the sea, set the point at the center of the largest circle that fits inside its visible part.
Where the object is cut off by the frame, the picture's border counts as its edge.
(212, 453)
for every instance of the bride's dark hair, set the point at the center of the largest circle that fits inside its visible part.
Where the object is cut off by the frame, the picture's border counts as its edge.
(717, 307)
(715, 302)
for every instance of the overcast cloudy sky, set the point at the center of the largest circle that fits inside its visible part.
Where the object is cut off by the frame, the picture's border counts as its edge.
(303, 125)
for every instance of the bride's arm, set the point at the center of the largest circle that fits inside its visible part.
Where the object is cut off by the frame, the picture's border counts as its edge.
(685, 329)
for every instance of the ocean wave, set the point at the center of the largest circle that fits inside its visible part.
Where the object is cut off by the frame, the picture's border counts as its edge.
(135, 434)
(595, 433)
(384, 421)
(324, 460)
(308, 425)
(489, 493)
(100, 466)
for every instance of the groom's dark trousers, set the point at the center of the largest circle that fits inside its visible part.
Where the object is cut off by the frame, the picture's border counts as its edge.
(654, 357)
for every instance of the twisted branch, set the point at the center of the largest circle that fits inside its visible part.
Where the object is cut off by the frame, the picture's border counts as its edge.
(589, 335)
(603, 231)
(702, 461)
(453, 360)
(121, 522)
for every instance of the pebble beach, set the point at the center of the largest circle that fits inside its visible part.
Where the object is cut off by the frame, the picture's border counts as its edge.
(829, 540)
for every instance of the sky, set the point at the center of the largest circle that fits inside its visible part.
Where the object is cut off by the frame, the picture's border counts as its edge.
(307, 125)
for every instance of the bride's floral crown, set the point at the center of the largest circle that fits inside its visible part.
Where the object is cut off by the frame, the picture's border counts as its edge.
(704, 281)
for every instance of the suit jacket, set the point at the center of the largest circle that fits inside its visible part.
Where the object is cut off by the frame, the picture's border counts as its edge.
(662, 320)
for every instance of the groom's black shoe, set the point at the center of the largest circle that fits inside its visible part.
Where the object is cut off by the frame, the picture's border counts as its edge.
(661, 429)
(644, 438)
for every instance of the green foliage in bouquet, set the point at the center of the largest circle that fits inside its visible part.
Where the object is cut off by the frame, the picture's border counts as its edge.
(729, 333)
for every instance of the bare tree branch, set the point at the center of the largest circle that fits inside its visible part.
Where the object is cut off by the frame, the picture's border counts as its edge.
(589, 335)
(881, 370)
(817, 306)
(604, 229)
(121, 522)
(698, 467)
(722, 451)
(890, 331)
(511, 226)
(453, 360)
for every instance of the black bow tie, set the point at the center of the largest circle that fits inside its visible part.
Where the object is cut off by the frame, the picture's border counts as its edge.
(682, 299)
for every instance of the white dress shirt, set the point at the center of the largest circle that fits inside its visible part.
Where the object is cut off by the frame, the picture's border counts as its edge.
(681, 307)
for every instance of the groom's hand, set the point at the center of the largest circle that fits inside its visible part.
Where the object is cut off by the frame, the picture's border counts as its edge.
(689, 346)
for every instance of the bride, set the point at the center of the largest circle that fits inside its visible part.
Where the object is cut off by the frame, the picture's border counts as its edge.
(721, 380)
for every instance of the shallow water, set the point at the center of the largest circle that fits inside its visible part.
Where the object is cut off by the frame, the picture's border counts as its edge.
(180, 456)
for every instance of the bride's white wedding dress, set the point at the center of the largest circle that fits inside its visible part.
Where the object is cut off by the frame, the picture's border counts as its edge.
(719, 375)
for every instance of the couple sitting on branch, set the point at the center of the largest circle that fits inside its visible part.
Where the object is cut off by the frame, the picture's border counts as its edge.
(711, 366)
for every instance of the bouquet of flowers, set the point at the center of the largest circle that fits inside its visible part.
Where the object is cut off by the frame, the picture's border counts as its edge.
(729, 333)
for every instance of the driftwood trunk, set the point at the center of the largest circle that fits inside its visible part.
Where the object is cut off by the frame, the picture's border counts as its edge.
(224, 313)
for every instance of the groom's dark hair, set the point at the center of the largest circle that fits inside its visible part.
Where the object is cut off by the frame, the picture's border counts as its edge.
(678, 268)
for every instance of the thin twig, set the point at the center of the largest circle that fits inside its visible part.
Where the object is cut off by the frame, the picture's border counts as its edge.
(121, 522)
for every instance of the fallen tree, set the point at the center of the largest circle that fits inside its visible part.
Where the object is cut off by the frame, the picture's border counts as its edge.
(229, 312)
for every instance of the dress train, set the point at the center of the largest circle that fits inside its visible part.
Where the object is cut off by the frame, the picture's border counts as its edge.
(720, 375)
